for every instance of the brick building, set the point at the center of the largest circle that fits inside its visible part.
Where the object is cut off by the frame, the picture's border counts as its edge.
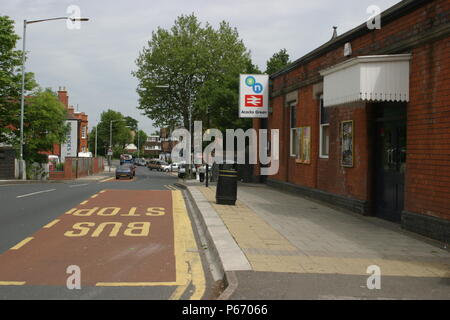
(152, 147)
(364, 120)
(82, 126)
(167, 143)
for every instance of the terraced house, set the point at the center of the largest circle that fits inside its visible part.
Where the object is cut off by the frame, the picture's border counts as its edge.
(364, 120)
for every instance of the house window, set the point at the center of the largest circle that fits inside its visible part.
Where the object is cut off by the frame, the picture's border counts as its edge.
(324, 141)
(295, 136)
(83, 132)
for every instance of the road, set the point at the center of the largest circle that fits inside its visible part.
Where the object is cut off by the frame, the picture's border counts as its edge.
(108, 239)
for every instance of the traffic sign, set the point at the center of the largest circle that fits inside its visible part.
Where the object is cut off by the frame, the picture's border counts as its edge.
(254, 96)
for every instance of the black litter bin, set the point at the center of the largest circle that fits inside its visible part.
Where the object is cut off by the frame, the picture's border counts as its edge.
(202, 176)
(226, 190)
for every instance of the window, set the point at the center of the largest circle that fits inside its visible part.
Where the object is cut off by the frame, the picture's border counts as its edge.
(295, 132)
(324, 139)
(83, 132)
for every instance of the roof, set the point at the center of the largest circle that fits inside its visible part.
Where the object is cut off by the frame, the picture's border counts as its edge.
(394, 12)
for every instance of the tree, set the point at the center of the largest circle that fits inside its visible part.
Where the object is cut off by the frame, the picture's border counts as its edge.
(277, 62)
(131, 123)
(121, 134)
(200, 65)
(10, 83)
(44, 124)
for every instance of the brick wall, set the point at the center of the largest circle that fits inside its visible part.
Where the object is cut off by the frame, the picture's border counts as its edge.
(428, 158)
(420, 32)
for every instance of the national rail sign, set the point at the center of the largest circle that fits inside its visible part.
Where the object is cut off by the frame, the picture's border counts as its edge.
(254, 96)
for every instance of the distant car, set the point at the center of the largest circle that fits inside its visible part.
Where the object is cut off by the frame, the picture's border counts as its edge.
(155, 164)
(171, 167)
(126, 158)
(125, 170)
(142, 162)
(183, 168)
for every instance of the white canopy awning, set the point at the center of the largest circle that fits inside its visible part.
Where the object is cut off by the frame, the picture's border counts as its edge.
(367, 78)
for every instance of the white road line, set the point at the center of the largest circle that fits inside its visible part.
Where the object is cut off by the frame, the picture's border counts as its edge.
(31, 194)
(78, 185)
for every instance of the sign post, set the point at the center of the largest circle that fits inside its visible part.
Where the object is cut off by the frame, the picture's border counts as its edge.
(254, 96)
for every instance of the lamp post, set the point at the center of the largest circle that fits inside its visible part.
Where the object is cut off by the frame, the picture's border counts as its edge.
(22, 97)
(96, 129)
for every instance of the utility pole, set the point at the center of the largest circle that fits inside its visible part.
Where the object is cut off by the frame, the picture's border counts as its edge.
(22, 97)
(96, 128)
(138, 140)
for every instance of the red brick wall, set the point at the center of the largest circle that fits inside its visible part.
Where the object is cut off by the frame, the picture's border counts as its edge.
(428, 158)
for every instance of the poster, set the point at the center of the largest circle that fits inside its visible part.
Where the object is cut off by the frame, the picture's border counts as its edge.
(70, 147)
(304, 146)
(347, 148)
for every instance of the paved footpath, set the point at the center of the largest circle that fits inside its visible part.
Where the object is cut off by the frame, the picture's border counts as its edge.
(301, 249)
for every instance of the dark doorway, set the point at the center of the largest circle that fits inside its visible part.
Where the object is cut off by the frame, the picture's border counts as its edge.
(390, 153)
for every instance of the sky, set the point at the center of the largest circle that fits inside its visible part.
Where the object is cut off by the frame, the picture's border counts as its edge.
(95, 62)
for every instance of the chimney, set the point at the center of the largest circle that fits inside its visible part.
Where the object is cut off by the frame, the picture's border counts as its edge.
(63, 97)
(335, 35)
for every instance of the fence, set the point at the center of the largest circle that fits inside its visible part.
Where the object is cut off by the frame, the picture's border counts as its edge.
(78, 167)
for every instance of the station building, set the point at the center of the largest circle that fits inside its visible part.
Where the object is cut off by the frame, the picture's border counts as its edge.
(364, 120)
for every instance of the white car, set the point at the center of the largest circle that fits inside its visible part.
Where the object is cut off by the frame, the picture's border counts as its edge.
(170, 167)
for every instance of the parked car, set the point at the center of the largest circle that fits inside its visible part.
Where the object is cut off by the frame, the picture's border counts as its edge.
(125, 170)
(183, 168)
(140, 162)
(155, 164)
(173, 167)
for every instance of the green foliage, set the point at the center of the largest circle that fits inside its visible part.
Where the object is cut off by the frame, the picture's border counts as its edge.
(121, 134)
(277, 62)
(44, 124)
(201, 66)
(10, 83)
(131, 123)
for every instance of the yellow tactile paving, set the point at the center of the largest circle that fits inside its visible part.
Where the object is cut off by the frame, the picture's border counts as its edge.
(257, 238)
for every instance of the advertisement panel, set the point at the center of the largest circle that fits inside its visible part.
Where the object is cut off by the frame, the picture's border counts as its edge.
(69, 148)
(254, 96)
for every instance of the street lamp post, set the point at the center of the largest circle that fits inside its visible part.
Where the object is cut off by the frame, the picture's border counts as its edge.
(96, 129)
(22, 97)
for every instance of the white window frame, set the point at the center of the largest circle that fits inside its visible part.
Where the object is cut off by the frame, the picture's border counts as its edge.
(321, 126)
(83, 132)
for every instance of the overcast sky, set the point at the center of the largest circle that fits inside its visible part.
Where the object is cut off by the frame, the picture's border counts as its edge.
(95, 62)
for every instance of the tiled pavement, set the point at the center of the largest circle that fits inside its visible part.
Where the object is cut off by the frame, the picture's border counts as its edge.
(284, 233)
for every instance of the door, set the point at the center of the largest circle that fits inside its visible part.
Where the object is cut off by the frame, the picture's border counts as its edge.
(390, 162)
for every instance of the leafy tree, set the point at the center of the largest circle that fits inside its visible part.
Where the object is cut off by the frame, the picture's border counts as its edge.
(200, 65)
(121, 134)
(10, 83)
(44, 124)
(278, 61)
(131, 123)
